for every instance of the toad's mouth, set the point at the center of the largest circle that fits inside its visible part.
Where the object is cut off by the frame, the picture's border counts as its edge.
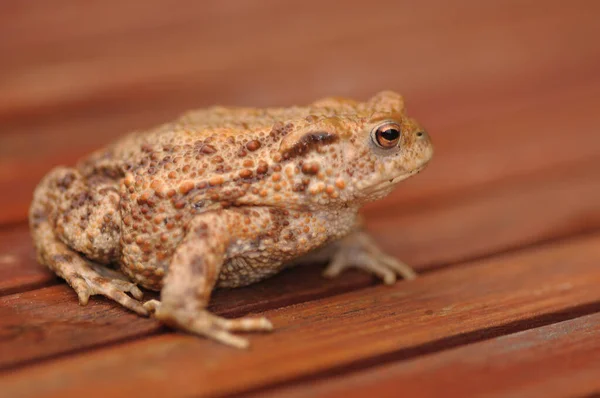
(402, 177)
(387, 184)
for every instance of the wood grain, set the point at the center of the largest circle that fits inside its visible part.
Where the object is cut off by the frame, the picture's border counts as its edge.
(48, 322)
(441, 310)
(557, 360)
(493, 218)
(19, 269)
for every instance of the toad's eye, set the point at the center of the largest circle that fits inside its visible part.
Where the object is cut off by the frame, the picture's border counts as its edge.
(387, 135)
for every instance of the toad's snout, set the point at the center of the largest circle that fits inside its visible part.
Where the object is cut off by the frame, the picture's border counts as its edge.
(424, 147)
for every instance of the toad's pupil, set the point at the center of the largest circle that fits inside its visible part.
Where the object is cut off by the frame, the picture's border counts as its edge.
(390, 134)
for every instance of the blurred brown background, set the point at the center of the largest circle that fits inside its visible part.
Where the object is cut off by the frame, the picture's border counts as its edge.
(504, 87)
(503, 227)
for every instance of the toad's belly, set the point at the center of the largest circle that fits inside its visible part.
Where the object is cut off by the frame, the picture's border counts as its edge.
(243, 271)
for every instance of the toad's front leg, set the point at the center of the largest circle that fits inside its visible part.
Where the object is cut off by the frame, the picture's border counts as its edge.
(359, 250)
(194, 271)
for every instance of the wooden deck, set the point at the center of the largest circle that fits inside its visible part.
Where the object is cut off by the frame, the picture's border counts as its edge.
(504, 226)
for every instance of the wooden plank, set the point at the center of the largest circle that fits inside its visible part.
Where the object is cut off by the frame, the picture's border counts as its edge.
(19, 269)
(427, 236)
(47, 322)
(557, 360)
(510, 214)
(444, 309)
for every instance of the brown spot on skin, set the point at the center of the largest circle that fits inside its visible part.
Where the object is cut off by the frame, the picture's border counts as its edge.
(299, 187)
(248, 163)
(216, 180)
(253, 145)
(179, 204)
(38, 217)
(207, 149)
(310, 168)
(144, 197)
(218, 159)
(245, 173)
(311, 118)
(155, 185)
(171, 193)
(80, 200)
(172, 175)
(65, 182)
(308, 142)
(340, 184)
(201, 185)
(276, 177)
(279, 130)
(186, 187)
(128, 181)
(262, 168)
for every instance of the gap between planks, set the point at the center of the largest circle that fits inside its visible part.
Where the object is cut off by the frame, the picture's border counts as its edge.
(467, 303)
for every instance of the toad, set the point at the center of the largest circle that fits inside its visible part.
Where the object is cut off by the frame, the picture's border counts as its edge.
(226, 197)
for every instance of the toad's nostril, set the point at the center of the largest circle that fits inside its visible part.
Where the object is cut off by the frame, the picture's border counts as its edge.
(420, 134)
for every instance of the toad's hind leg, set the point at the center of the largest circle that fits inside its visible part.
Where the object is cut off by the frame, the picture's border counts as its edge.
(56, 202)
(193, 273)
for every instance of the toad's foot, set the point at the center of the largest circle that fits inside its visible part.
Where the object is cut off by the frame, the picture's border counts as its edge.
(97, 279)
(359, 251)
(204, 323)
